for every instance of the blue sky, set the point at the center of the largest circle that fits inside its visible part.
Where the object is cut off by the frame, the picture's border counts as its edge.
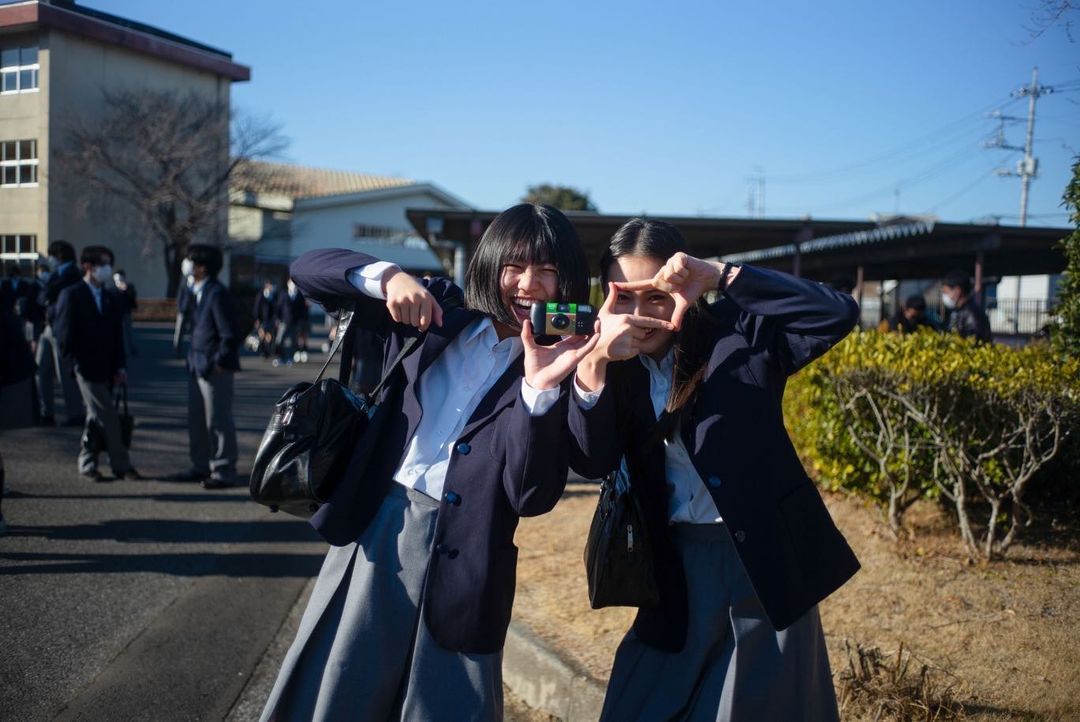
(666, 108)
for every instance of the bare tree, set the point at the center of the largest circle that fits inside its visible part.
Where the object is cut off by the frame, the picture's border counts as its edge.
(171, 159)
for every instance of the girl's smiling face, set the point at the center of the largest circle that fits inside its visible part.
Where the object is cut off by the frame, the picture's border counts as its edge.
(521, 283)
(648, 302)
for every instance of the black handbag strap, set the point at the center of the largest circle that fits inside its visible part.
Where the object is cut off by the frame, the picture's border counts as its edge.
(343, 330)
(121, 399)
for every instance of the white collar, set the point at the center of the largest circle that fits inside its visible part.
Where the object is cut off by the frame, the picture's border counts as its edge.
(199, 285)
(665, 368)
(486, 328)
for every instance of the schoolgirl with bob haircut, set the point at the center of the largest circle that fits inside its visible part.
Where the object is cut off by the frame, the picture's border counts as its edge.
(409, 614)
(744, 547)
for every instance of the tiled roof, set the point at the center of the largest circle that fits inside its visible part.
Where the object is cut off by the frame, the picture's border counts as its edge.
(301, 182)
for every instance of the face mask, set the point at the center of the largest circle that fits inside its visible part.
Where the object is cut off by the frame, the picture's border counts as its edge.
(43, 276)
(52, 263)
(948, 301)
(102, 274)
(292, 288)
(187, 267)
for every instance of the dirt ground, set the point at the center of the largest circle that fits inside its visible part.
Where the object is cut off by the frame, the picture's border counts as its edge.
(1005, 636)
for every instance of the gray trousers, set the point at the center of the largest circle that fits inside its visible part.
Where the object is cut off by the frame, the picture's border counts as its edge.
(287, 332)
(734, 666)
(363, 652)
(211, 428)
(50, 365)
(100, 411)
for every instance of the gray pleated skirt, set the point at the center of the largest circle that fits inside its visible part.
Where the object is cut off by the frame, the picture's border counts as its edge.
(363, 652)
(734, 666)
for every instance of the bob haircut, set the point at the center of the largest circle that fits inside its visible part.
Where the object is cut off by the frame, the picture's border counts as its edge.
(202, 254)
(97, 256)
(526, 233)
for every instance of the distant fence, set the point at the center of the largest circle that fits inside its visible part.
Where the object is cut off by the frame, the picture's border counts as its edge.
(1018, 315)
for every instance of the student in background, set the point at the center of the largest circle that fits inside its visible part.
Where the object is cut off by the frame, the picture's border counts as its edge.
(129, 303)
(964, 315)
(50, 362)
(89, 328)
(292, 317)
(212, 363)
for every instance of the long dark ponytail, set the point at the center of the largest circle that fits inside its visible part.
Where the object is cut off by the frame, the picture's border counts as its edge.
(659, 240)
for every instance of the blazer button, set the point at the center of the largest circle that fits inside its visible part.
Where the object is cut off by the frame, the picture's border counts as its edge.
(713, 481)
(452, 498)
(463, 449)
(740, 536)
(442, 548)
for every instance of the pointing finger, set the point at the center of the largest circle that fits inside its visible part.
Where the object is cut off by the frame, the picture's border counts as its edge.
(681, 306)
(648, 322)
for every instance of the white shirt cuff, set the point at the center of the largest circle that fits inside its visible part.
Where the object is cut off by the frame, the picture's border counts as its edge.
(586, 399)
(368, 279)
(538, 403)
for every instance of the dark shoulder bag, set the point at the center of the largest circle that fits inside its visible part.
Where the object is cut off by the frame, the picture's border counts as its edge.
(618, 553)
(313, 432)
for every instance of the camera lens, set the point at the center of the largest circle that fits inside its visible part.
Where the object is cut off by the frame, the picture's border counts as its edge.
(559, 321)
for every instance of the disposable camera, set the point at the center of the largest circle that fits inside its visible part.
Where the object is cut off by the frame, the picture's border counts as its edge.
(562, 319)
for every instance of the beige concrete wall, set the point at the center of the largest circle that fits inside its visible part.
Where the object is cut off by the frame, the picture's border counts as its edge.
(24, 116)
(80, 71)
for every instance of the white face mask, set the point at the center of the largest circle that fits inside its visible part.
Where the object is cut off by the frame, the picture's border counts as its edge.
(292, 288)
(187, 267)
(948, 301)
(102, 274)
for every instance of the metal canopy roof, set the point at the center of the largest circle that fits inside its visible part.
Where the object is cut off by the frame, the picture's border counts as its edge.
(822, 249)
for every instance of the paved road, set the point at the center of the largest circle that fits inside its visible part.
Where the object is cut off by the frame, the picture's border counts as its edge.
(149, 600)
(143, 600)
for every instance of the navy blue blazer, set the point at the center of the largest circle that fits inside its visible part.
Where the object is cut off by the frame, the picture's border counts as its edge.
(93, 340)
(765, 327)
(214, 341)
(265, 310)
(67, 275)
(291, 311)
(505, 464)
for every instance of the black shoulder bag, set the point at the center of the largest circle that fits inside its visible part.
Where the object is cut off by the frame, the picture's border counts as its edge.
(618, 553)
(313, 432)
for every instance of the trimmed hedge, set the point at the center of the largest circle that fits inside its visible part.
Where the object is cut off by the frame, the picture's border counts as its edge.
(903, 417)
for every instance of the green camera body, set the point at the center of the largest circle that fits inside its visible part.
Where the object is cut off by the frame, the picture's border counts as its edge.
(562, 319)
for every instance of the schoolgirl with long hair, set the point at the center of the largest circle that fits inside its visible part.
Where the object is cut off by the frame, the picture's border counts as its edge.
(744, 547)
(409, 614)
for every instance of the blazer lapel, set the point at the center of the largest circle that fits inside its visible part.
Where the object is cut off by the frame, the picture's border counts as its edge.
(498, 397)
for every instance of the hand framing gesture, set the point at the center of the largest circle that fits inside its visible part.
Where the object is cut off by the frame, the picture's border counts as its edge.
(621, 334)
(687, 279)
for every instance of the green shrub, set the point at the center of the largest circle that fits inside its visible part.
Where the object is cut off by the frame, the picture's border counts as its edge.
(900, 417)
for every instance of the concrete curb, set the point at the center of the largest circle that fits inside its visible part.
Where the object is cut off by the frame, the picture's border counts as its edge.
(544, 681)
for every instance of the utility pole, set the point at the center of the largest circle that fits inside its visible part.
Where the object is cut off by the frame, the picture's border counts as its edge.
(755, 194)
(1027, 168)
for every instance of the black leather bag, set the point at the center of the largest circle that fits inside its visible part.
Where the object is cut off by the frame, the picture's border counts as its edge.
(618, 553)
(127, 421)
(312, 434)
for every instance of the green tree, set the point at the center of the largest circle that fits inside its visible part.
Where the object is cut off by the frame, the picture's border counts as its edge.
(564, 198)
(1067, 334)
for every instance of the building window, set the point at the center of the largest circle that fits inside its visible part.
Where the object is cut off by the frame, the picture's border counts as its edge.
(19, 70)
(19, 249)
(18, 163)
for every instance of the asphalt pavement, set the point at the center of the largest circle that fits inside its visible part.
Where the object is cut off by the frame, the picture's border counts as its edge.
(144, 600)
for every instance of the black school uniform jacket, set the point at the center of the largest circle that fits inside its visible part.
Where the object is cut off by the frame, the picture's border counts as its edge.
(93, 340)
(764, 328)
(505, 464)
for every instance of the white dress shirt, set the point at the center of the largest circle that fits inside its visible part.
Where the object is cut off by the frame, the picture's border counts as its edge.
(688, 499)
(197, 288)
(450, 390)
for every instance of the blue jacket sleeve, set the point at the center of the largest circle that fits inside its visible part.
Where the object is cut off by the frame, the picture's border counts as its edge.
(595, 437)
(534, 476)
(322, 276)
(798, 320)
(228, 354)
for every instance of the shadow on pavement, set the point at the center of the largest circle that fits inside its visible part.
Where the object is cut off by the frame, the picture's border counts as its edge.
(246, 565)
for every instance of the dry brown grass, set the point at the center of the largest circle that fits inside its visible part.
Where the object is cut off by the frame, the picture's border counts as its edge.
(1007, 632)
(879, 686)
